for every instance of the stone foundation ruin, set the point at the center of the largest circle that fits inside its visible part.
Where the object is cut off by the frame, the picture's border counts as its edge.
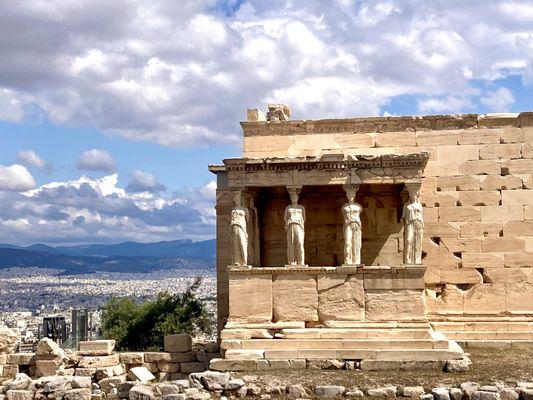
(459, 272)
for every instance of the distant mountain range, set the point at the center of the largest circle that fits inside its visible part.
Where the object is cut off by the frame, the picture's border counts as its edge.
(121, 257)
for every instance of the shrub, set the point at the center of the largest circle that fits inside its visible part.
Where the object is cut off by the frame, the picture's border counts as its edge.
(143, 326)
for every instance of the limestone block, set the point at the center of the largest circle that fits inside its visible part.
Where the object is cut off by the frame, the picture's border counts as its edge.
(450, 300)
(219, 364)
(394, 305)
(485, 299)
(459, 214)
(441, 260)
(19, 359)
(521, 166)
(131, 358)
(99, 361)
(495, 151)
(527, 181)
(436, 138)
(518, 228)
(528, 213)
(479, 136)
(527, 150)
(244, 354)
(441, 229)
(460, 276)
(481, 229)
(255, 115)
(3, 359)
(295, 298)
(518, 260)
(502, 213)
(517, 197)
(386, 139)
(96, 347)
(449, 158)
(354, 140)
(8, 339)
(480, 167)
(447, 198)
(190, 367)
(518, 297)
(499, 275)
(457, 183)
(517, 135)
(484, 198)
(454, 245)
(250, 298)
(314, 143)
(482, 260)
(45, 368)
(19, 395)
(341, 297)
(181, 342)
(502, 244)
(498, 182)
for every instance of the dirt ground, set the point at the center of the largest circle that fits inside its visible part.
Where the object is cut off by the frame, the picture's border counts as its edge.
(488, 367)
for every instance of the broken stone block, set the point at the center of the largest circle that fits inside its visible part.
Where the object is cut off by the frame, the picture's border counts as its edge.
(142, 393)
(131, 358)
(8, 339)
(78, 394)
(181, 342)
(140, 374)
(96, 347)
(19, 395)
(45, 367)
(99, 361)
(255, 115)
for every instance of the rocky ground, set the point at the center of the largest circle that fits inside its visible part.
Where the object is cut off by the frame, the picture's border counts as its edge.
(489, 366)
(496, 375)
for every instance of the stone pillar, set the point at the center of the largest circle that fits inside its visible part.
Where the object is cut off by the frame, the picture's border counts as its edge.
(413, 226)
(294, 225)
(351, 215)
(239, 230)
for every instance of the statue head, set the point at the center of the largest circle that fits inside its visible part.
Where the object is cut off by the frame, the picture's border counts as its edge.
(351, 191)
(237, 199)
(293, 193)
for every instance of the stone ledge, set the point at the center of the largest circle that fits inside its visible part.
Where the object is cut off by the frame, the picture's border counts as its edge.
(342, 270)
(387, 124)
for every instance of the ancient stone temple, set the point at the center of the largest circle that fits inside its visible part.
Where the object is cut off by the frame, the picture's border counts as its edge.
(374, 242)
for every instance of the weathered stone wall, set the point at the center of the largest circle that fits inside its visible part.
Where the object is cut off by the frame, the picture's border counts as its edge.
(477, 190)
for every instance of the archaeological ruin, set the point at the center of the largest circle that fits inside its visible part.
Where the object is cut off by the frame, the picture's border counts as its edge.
(387, 242)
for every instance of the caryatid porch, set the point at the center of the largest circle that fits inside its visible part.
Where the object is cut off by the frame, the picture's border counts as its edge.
(350, 291)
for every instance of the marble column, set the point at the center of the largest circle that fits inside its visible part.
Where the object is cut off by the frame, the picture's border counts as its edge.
(413, 226)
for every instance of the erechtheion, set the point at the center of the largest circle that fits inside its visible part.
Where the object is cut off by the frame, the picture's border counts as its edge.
(387, 241)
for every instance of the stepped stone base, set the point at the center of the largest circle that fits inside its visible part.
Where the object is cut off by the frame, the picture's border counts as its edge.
(488, 332)
(367, 346)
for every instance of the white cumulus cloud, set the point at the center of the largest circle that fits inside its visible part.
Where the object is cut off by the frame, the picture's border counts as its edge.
(30, 158)
(183, 73)
(15, 178)
(144, 182)
(96, 160)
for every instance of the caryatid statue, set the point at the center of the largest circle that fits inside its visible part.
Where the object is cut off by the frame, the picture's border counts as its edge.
(413, 227)
(351, 213)
(294, 225)
(239, 233)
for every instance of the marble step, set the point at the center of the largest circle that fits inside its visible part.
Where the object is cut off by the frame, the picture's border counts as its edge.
(489, 335)
(342, 344)
(483, 326)
(346, 354)
(356, 333)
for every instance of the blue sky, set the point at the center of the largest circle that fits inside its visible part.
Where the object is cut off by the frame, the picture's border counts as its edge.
(110, 112)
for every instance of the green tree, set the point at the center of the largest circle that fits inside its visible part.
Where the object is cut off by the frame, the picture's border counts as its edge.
(143, 326)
